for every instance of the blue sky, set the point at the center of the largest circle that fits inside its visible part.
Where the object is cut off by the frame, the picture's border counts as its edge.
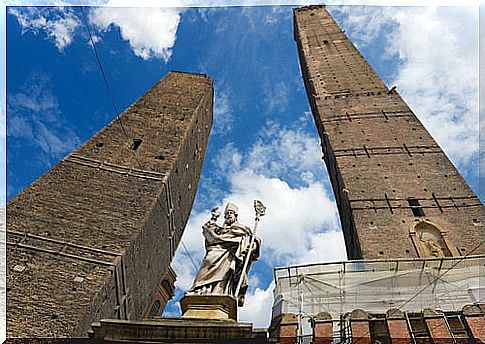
(263, 143)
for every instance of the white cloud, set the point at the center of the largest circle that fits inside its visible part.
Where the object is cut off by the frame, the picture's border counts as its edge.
(223, 114)
(275, 15)
(257, 307)
(437, 74)
(35, 116)
(151, 32)
(58, 23)
(442, 83)
(286, 151)
(276, 95)
(326, 247)
(291, 222)
(228, 160)
(272, 15)
(363, 23)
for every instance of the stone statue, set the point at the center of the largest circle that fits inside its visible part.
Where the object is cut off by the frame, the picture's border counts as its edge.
(224, 270)
(430, 240)
(431, 248)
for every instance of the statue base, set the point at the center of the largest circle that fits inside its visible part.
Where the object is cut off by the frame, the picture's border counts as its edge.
(176, 330)
(222, 307)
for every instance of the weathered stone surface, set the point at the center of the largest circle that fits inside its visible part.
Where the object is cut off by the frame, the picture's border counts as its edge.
(177, 330)
(209, 306)
(378, 154)
(322, 316)
(93, 237)
(359, 314)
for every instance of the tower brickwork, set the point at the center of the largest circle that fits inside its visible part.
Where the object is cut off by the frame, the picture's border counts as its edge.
(397, 193)
(93, 237)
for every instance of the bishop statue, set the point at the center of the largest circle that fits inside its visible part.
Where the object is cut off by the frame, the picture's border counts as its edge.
(230, 251)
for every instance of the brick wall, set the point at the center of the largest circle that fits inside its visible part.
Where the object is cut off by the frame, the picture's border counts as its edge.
(463, 326)
(284, 329)
(378, 154)
(92, 238)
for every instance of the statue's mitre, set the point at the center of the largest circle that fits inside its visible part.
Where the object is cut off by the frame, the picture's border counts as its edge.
(231, 206)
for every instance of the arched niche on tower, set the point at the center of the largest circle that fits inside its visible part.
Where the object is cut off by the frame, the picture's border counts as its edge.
(430, 240)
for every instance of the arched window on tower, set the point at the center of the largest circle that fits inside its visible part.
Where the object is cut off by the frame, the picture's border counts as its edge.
(155, 309)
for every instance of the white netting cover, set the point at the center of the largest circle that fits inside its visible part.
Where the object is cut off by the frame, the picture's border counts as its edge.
(376, 286)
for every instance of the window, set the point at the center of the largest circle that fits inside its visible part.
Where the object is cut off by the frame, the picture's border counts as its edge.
(456, 326)
(155, 308)
(418, 328)
(136, 143)
(415, 207)
(379, 332)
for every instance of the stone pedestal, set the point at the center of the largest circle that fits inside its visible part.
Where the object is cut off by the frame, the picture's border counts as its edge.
(219, 307)
(176, 330)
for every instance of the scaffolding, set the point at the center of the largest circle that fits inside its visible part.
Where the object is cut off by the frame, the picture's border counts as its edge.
(376, 286)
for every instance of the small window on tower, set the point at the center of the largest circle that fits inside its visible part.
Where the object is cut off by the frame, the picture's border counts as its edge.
(415, 207)
(136, 143)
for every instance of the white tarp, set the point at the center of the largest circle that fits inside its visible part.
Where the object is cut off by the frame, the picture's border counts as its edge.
(376, 286)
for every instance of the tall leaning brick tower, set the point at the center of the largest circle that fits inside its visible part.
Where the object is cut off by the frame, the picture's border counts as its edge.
(93, 237)
(398, 194)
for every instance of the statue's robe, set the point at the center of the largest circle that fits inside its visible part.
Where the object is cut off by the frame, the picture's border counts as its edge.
(226, 248)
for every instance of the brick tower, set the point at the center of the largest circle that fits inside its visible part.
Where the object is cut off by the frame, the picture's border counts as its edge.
(398, 194)
(94, 236)
(412, 226)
